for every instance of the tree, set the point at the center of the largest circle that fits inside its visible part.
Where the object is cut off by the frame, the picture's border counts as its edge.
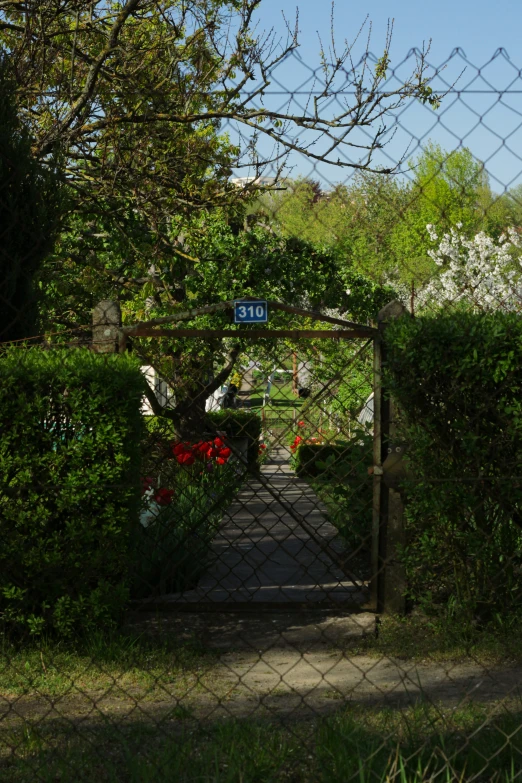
(227, 264)
(355, 220)
(480, 274)
(514, 199)
(137, 94)
(106, 67)
(444, 190)
(29, 215)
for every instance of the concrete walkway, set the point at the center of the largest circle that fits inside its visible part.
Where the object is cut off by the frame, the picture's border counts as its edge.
(263, 554)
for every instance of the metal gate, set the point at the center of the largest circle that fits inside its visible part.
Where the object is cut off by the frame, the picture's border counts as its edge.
(262, 467)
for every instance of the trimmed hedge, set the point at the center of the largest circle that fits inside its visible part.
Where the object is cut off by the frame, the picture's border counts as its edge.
(339, 474)
(70, 426)
(239, 424)
(458, 381)
(307, 456)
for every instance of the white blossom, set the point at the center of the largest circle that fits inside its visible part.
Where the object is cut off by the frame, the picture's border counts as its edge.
(431, 231)
(481, 272)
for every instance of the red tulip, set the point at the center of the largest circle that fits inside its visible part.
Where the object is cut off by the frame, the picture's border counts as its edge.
(200, 449)
(187, 458)
(163, 496)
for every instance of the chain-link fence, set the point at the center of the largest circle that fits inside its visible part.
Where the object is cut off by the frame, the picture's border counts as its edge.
(252, 542)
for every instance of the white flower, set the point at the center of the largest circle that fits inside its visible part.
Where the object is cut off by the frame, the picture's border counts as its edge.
(431, 231)
(478, 271)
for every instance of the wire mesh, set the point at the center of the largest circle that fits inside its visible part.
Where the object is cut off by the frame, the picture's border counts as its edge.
(211, 603)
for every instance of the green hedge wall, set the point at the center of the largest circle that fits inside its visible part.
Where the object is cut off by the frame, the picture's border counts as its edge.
(307, 456)
(458, 381)
(70, 427)
(339, 474)
(239, 424)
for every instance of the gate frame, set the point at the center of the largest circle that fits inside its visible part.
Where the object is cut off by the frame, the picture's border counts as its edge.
(387, 581)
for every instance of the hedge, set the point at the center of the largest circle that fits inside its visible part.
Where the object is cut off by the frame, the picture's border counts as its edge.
(307, 456)
(239, 424)
(339, 474)
(70, 426)
(458, 382)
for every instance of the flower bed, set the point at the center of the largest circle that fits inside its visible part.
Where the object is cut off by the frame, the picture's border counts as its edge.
(183, 503)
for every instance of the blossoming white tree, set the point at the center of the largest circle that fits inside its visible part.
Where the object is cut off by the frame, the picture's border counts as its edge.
(480, 272)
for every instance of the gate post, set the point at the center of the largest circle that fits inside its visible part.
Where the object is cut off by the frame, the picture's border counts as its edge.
(106, 325)
(377, 472)
(389, 581)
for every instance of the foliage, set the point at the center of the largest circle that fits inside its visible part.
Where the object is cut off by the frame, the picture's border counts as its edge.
(443, 190)
(356, 220)
(338, 472)
(136, 96)
(230, 264)
(377, 223)
(69, 466)
(30, 203)
(457, 380)
(186, 488)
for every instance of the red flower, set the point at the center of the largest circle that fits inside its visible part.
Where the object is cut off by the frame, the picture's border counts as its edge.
(186, 458)
(221, 460)
(213, 452)
(163, 496)
(301, 424)
(218, 442)
(201, 448)
(146, 484)
(296, 442)
(179, 448)
(225, 453)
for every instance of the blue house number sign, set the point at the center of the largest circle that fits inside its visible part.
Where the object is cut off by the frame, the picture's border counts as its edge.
(250, 312)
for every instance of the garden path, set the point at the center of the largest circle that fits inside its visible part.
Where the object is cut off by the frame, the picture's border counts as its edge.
(271, 545)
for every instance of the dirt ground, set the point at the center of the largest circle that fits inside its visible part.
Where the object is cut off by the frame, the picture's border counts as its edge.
(273, 665)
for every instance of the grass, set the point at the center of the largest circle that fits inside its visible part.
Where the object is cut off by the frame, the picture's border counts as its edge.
(419, 639)
(166, 664)
(120, 661)
(422, 743)
(131, 672)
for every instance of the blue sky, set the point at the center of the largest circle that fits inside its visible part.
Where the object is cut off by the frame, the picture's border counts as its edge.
(475, 118)
(478, 26)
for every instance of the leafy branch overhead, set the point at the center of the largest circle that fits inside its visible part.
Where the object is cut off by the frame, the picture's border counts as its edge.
(102, 78)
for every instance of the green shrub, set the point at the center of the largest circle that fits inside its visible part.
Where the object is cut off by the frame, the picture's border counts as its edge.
(307, 455)
(458, 382)
(69, 487)
(239, 424)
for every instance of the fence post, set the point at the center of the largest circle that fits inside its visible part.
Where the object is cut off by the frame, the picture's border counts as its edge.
(106, 325)
(389, 577)
(377, 472)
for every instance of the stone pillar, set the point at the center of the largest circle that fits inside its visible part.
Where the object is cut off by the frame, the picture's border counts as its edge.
(106, 324)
